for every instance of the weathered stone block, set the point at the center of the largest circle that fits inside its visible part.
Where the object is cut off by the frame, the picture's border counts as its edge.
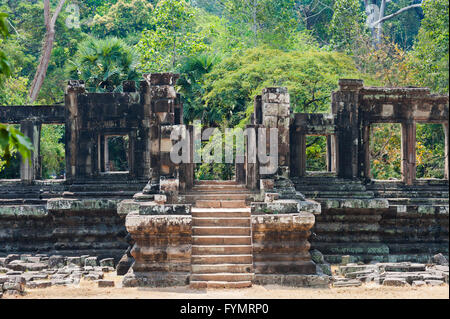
(105, 283)
(90, 262)
(107, 262)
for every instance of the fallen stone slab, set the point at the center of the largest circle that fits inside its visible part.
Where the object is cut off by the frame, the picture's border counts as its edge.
(343, 270)
(51, 271)
(430, 276)
(93, 276)
(59, 276)
(2, 261)
(354, 275)
(396, 282)
(418, 283)
(90, 261)
(408, 276)
(56, 261)
(24, 257)
(401, 267)
(14, 273)
(32, 276)
(107, 262)
(15, 283)
(11, 257)
(33, 259)
(61, 282)
(432, 282)
(105, 283)
(13, 286)
(73, 262)
(347, 283)
(38, 284)
(36, 266)
(107, 269)
(17, 265)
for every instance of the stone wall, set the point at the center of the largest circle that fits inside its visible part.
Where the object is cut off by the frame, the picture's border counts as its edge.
(65, 227)
(385, 235)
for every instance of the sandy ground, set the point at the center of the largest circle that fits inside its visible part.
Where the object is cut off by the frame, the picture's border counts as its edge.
(89, 289)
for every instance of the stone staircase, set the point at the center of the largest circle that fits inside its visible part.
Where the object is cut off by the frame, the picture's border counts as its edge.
(221, 236)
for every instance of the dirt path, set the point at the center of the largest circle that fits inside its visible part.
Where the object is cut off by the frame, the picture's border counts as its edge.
(89, 289)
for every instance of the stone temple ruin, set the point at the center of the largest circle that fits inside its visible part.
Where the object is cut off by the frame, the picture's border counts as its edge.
(258, 228)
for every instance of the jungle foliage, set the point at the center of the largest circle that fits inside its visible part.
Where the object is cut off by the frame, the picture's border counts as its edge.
(226, 51)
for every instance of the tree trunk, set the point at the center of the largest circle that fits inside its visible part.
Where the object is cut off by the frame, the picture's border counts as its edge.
(381, 16)
(47, 47)
(254, 26)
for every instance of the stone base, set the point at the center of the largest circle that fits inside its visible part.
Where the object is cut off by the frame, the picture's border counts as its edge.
(308, 281)
(155, 279)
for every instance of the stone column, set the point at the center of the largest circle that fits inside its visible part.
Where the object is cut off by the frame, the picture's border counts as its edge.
(73, 127)
(446, 132)
(366, 152)
(346, 109)
(276, 114)
(251, 160)
(409, 152)
(298, 154)
(30, 168)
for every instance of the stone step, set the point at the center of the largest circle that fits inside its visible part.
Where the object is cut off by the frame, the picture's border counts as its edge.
(219, 284)
(221, 259)
(222, 240)
(216, 197)
(222, 276)
(207, 187)
(221, 230)
(312, 193)
(220, 212)
(221, 221)
(228, 201)
(215, 182)
(221, 249)
(110, 187)
(216, 268)
(213, 191)
(330, 187)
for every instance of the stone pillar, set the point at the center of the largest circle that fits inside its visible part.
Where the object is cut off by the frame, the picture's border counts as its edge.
(366, 152)
(240, 173)
(160, 98)
(409, 152)
(30, 168)
(345, 108)
(446, 132)
(251, 162)
(298, 154)
(257, 109)
(73, 128)
(276, 112)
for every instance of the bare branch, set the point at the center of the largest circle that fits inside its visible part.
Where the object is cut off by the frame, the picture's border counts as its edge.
(396, 13)
(57, 11)
(47, 13)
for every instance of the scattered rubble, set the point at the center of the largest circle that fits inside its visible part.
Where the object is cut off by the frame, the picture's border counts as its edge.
(18, 272)
(394, 274)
